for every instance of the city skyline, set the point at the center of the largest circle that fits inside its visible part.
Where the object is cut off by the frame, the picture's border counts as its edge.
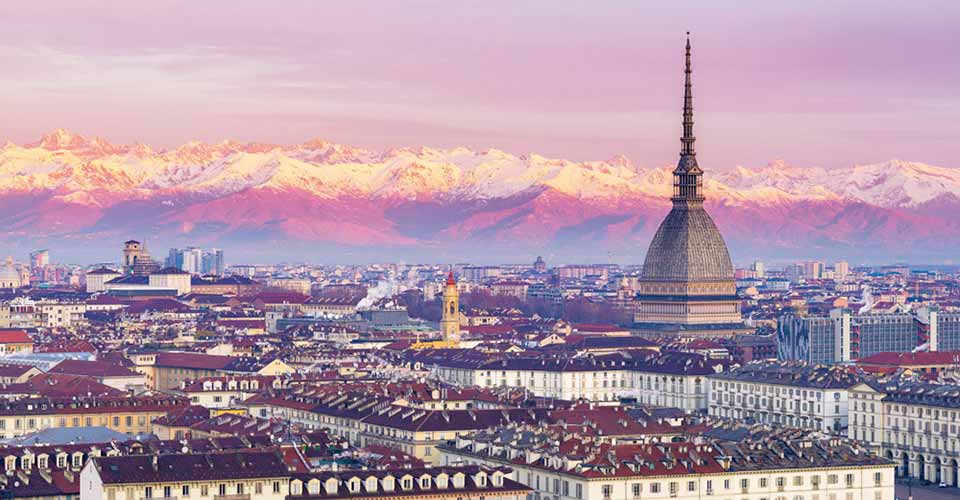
(416, 306)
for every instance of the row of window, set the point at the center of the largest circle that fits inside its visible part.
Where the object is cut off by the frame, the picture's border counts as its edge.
(780, 483)
(185, 490)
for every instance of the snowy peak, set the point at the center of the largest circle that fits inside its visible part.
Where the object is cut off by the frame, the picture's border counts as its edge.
(66, 140)
(66, 161)
(898, 183)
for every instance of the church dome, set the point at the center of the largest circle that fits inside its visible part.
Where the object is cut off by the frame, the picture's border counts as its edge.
(688, 247)
(9, 276)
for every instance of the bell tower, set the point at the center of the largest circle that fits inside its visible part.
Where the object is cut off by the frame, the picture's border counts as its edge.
(450, 320)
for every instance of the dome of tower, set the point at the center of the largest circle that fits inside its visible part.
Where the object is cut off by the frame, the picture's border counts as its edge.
(687, 247)
(9, 276)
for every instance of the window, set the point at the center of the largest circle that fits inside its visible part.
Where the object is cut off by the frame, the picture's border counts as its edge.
(258, 488)
(222, 489)
(148, 492)
(185, 491)
(673, 489)
(744, 484)
(579, 490)
(691, 486)
(654, 487)
(763, 482)
(709, 486)
(204, 490)
(636, 490)
(276, 486)
(607, 491)
(239, 488)
(877, 478)
(167, 493)
(849, 479)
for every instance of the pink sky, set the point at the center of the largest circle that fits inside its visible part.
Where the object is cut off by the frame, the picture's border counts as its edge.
(812, 82)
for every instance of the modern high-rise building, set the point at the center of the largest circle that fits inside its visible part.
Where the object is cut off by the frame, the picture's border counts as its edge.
(759, 269)
(213, 262)
(39, 259)
(812, 269)
(840, 270)
(195, 260)
(687, 286)
(843, 336)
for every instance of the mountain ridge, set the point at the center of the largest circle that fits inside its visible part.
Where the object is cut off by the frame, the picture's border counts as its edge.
(67, 187)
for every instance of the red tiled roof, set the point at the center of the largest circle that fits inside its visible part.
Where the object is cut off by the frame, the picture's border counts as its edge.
(192, 360)
(14, 337)
(912, 358)
(92, 369)
(60, 385)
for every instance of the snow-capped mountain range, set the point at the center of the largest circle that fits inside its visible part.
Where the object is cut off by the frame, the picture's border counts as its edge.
(67, 188)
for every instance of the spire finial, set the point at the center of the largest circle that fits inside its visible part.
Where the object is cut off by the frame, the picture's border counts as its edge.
(687, 183)
(688, 138)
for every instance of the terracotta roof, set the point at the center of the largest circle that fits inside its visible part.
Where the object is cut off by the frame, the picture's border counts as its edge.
(99, 369)
(192, 360)
(912, 358)
(14, 337)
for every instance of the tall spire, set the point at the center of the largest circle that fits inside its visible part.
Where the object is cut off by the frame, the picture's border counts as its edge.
(687, 183)
(688, 138)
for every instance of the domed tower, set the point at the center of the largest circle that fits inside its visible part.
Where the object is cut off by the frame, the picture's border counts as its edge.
(450, 320)
(687, 286)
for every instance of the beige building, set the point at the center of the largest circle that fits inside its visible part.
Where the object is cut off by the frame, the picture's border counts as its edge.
(254, 474)
(914, 424)
(131, 415)
(171, 277)
(770, 469)
(292, 284)
(97, 278)
(774, 393)
(60, 314)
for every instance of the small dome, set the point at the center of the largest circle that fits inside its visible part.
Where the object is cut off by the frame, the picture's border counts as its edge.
(9, 276)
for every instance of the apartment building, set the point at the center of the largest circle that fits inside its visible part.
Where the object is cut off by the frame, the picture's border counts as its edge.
(673, 379)
(774, 467)
(438, 483)
(130, 415)
(912, 423)
(792, 394)
(225, 476)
